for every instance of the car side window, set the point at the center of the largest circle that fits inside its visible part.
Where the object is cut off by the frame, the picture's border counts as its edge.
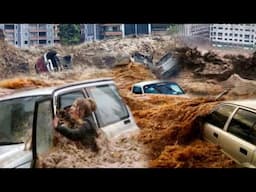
(66, 100)
(243, 125)
(148, 89)
(136, 90)
(110, 107)
(220, 115)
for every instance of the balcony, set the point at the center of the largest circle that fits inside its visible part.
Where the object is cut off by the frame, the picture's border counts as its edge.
(9, 30)
(112, 33)
(32, 30)
(38, 38)
(115, 24)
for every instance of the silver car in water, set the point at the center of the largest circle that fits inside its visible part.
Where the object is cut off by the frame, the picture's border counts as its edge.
(26, 130)
(232, 126)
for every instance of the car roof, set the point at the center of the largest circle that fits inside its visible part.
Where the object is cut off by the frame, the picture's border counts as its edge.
(249, 103)
(47, 90)
(143, 83)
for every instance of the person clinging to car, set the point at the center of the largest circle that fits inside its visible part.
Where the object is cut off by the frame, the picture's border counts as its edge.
(83, 129)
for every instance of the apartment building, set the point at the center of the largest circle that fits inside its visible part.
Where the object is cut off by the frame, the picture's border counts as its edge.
(24, 35)
(159, 29)
(91, 32)
(110, 31)
(56, 30)
(195, 30)
(233, 35)
(135, 29)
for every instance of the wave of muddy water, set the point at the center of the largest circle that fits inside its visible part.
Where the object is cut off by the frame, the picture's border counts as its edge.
(169, 136)
(123, 151)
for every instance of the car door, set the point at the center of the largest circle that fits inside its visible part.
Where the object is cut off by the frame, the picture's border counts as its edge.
(112, 113)
(42, 140)
(215, 122)
(240, 139)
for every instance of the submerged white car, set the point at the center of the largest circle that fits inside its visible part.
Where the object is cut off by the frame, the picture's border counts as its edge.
(157, 87)
(232, 125)
(26, 118)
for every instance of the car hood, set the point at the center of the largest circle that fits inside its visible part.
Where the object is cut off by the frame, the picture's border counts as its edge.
(12, 156)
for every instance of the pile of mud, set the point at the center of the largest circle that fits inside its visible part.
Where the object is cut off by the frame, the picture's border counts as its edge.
(123, 151)
(197, 154)
(169, 128)
(12, 61)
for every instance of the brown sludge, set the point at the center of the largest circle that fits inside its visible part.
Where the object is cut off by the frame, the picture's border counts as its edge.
(170, 132)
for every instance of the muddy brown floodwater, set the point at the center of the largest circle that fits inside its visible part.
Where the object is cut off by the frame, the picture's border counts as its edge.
(169, 135)
(122, 152)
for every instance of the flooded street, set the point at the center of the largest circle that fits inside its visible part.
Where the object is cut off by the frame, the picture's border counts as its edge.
(170, 127)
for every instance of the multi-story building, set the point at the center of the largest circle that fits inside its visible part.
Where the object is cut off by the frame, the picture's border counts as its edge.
(110, 31)
(135, 29)
(195, 30)
(56, 30)
(24, 35)
(233, 35)
(90, 32)
(159, 29)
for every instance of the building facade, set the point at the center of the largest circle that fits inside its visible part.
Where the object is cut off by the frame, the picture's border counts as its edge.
(233, 35)
(25, 35)
(159, 29)
(135, 29)
(195, 30)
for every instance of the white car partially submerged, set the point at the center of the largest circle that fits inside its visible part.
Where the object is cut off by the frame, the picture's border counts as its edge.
(26, 118)
(232, 126)
(157, 87)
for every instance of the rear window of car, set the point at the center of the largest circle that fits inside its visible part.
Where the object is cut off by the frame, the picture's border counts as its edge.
(243, 125)
(220, 115)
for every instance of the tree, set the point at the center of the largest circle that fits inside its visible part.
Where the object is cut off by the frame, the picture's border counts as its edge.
(69, 34)
(173, 29)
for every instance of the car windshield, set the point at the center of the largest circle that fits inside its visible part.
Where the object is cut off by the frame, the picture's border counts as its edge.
(163, 88)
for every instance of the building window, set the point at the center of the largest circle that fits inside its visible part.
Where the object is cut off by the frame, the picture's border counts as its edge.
(246, 40)
(42, 41)
(230, 39)
(219, 34)
(247, 29)
(226, 28)
(219, 38)
(236, 34)
(240, 40)
(25, 42)
(235, 39)
(241, 35)
(241, 29)
(226, 34)
(49, 42)
(16, 42)
(226, 39)
(236, 29)
(230, 34)
(42, 34)
(246, 36)
(220, 28)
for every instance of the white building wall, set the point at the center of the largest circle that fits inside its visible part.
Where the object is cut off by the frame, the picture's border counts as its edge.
(233, 35)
